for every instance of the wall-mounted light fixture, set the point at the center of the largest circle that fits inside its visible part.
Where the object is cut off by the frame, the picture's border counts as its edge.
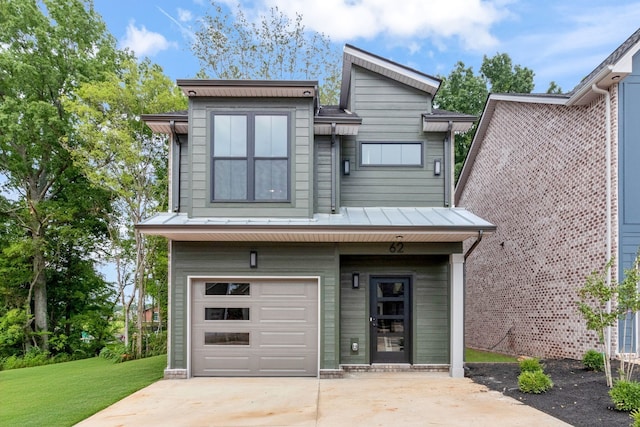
(355, 280)
(346, 167)
(253, 259)
(437, 167)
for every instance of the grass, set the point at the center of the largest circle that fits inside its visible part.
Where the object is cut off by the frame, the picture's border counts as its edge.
(478, 356)
(66, 393)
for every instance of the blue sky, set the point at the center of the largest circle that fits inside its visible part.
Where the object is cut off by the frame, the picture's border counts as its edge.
(560, 40)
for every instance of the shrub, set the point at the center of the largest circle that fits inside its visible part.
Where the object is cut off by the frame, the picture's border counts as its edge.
(530, 365)
(593, 361)
(635, 416)
(626, 395)
(116, 353)
(534, 382)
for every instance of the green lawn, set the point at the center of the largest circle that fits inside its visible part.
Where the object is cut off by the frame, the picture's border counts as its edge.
(471, 355)
(66, 393)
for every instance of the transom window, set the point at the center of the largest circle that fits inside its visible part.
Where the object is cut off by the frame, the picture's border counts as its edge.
(391, 153)
(250, 157)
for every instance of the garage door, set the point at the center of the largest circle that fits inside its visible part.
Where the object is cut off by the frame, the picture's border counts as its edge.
(254, 328)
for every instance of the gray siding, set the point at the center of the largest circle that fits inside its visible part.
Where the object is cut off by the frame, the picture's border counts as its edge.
(629, 176)
(322, 172)
(184, 175)
(301, 160)
(203, 258)
(390, 112)
(430, 305)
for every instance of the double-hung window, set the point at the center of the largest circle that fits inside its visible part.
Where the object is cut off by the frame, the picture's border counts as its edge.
(250, 157)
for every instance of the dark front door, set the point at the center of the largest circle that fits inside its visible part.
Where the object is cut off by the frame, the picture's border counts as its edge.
(390, 319)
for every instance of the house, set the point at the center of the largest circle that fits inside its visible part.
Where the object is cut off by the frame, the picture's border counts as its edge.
(558, 175)
(306, 240)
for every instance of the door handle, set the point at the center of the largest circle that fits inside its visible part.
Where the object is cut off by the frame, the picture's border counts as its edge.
(372, 320)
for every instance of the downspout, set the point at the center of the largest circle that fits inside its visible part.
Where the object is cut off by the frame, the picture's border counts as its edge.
(334, 167)
(450, 165)
(475, 244)
(607, 97)
(175, 178)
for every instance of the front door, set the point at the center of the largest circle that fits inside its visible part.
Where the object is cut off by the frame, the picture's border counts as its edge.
(390, 319)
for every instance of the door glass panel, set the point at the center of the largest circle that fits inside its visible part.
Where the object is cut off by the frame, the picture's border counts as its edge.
(390, 344)
(391, 308)
(390, 289)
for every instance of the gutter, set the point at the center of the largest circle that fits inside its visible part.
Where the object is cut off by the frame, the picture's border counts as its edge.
(607, 98)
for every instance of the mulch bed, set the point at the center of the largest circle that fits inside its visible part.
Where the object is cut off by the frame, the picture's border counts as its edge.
(578, 397)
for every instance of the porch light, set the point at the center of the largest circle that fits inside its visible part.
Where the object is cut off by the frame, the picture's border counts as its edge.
(253, 259)
(355, 280)
(346, 167)
(437, 167)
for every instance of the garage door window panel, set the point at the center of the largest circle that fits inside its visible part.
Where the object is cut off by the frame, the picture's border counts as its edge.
(226, 313)
(227, 289)
(226, 338)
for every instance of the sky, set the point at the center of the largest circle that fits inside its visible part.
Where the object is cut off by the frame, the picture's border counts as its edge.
(560, 40)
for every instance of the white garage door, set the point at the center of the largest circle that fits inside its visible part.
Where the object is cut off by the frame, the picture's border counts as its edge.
(254, 328)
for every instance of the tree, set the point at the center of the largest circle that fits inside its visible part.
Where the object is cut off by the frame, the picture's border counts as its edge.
(465, 92)
(47, 49)
(504, 77)
(120, 153)
(597, 297)
(274, 47)
(554, 88)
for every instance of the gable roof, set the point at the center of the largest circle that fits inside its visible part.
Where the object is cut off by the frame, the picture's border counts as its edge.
(610, 71)
(413, 78)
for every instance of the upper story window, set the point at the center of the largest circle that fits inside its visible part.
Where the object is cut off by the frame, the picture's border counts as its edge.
(250, 157)
(391, 153)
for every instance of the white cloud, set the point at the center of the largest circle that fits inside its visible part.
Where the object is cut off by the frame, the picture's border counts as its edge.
(144, 42)
(468, 20)
(184, 15)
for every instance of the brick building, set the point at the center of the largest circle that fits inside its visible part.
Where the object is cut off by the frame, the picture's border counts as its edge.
(537, 168)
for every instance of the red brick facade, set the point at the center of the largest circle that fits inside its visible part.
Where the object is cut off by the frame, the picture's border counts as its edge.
(540, 177)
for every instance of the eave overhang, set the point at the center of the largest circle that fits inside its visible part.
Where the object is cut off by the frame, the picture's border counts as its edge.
(457, 123)
(437, 225)
(249, 88)
(161, 123)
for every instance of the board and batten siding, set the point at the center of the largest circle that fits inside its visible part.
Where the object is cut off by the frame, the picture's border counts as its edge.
(230, 259)
(629, 173)
(430, 304)
(300, 162)
(390, 112)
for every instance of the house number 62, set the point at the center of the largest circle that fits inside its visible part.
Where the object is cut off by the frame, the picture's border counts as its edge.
(396, 248)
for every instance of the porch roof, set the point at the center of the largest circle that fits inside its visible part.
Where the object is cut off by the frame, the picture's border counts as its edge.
(376, 224)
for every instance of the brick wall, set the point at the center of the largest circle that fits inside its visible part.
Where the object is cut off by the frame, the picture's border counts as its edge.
(540, 177)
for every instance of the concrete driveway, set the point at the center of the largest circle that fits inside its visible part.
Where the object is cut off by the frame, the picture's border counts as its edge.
(367, 399)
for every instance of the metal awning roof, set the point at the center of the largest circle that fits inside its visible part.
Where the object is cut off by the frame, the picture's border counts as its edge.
(350, 225)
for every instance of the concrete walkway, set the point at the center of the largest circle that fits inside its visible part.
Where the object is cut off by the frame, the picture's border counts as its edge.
(389, 399)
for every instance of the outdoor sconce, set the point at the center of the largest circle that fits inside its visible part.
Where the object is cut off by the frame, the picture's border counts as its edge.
(253, 259)
(355, 280)
(346, 167)
(437, 167)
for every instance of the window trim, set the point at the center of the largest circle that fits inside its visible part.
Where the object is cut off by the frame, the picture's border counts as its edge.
(392, 165)
(250, 158)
